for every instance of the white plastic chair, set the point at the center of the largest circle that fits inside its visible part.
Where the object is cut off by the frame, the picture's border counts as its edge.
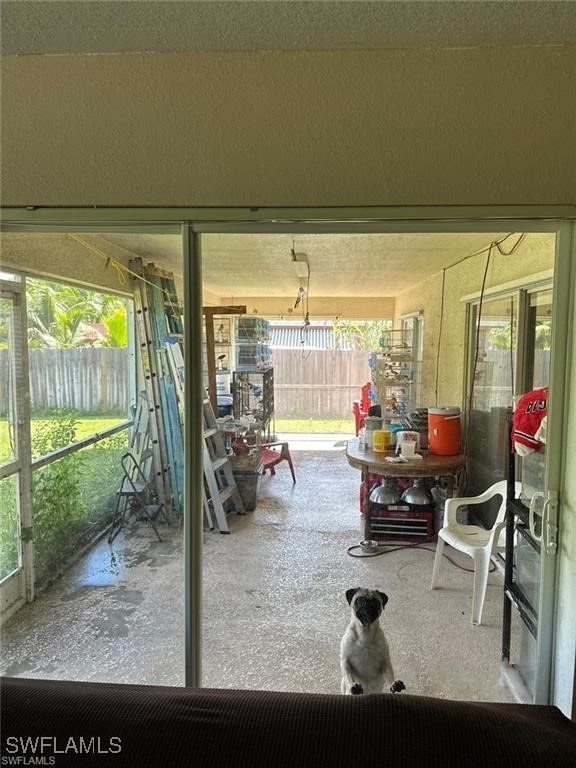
(479, 543)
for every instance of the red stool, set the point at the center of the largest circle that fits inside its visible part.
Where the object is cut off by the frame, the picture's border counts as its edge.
(359, 416)
(360, 407)
(274, 453)
(365, 401)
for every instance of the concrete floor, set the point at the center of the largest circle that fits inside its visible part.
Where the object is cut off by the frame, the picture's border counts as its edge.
(274, 602)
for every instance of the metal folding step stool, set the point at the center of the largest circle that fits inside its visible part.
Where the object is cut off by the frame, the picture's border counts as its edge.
(134, 497)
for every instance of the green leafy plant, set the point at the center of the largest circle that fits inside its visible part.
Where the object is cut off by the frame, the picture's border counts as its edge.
(64, 316)
(116, 324)
(360, 334)
(102, 474)
(56, 432)
(9, 533)
(57, 504)
(501, 337)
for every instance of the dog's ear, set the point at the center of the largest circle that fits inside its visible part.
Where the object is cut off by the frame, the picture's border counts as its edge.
(383, 597)
(350, 594)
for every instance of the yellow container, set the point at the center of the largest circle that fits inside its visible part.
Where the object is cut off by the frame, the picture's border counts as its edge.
(382, 440)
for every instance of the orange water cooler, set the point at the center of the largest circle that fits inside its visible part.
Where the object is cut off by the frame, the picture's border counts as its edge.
(444, 427)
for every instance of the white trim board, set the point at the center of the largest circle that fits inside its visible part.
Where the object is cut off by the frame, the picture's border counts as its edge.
(529, 282)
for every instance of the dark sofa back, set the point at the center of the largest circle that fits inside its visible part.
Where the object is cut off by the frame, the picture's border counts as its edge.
(136, 725)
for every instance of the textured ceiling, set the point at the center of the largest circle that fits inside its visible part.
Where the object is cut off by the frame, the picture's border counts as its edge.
(365, 265)
(112, 27)
(259, 265)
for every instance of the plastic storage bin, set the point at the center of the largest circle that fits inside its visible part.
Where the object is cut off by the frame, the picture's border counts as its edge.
(248, 482)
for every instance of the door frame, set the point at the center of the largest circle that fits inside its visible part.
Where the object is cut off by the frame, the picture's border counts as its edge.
(18, 587)
(193, 222)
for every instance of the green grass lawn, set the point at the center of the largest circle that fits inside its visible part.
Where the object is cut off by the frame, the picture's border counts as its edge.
(86, 427)
(91, 425)
(315, 426)
(72, 498)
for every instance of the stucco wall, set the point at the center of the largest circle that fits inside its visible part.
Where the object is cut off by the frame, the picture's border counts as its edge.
(62, 256)
(291, 128)
(535, 254)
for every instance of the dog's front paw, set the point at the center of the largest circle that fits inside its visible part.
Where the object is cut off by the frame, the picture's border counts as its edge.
(356, 689)
(397, 686)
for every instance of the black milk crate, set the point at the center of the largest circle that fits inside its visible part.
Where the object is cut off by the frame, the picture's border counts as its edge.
(400, 522)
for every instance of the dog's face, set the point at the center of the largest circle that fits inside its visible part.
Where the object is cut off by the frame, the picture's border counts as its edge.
(366, 604)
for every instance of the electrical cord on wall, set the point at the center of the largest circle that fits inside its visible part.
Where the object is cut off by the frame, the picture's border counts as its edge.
(439, 336)
(487, 249)
(512, 344)
(306, 353)
(476, 352)
(498, 245)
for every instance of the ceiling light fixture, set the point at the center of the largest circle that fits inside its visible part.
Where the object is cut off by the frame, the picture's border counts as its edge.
(301, 266)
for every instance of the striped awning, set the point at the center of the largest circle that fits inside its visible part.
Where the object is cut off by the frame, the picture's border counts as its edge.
(300, 337)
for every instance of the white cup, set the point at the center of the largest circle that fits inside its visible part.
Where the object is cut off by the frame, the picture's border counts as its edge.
(408, 449)
(404, 436)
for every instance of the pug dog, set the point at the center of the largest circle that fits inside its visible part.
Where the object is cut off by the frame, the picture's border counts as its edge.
(364, 653)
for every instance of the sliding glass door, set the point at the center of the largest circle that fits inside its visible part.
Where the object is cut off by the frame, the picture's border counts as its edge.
(511, 355)
(493, 371)
(538, 339)
(318, 220)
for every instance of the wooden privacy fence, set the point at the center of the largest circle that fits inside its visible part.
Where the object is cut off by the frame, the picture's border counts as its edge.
(323, 383)
(88, 380)
(307, 383)
(318, 383)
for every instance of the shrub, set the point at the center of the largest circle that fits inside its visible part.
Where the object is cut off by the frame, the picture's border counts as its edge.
(57, 504)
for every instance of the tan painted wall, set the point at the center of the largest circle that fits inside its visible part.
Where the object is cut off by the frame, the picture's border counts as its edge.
(291, 128)
(534, 255)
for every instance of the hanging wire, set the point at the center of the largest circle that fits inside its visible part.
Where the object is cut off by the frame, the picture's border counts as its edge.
(476, 352)
(512, 344)
(487, 248)
(305, 316)
(439, 336)
(495, 244)
(306, 353)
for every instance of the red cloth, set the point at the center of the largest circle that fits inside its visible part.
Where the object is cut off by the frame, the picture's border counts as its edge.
(531, 409)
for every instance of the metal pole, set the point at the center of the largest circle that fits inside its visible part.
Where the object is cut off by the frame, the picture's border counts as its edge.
(193, 444)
